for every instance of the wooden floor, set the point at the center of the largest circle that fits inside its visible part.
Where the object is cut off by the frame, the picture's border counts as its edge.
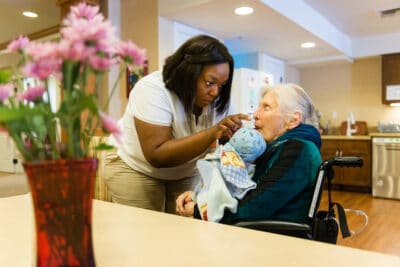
(382, 234)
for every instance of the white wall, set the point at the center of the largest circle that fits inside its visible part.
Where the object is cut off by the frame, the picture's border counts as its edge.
(171, 35)
(114, 109)
(165, 40)
(273, 66)
(266, 64)
(292, 75)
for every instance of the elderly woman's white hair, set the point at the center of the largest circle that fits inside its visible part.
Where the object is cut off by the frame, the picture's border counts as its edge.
(292, 98)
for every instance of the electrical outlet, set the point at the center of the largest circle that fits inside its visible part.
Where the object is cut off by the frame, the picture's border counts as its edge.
(334, 115)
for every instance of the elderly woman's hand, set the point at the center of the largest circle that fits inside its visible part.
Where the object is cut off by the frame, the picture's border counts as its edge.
(185, 204)
(230, 124)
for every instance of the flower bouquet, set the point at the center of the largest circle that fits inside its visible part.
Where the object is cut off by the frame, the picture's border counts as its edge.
(54, 140)
(88, 47)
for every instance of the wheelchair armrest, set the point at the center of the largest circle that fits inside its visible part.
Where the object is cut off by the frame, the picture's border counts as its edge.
(345, 162)
(280, 227)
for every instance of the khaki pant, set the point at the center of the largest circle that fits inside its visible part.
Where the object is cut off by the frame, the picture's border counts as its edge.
(129, 187)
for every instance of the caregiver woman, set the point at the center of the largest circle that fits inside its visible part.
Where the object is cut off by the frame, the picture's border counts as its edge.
(171, 119)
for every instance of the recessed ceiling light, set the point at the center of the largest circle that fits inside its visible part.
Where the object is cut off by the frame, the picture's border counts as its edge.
(30, 14)
(307, 45)
(244, 10)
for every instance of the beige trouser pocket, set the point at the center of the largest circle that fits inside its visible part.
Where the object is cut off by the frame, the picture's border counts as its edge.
(129, 187)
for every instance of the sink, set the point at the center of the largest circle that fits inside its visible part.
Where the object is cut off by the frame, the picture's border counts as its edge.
(361, 127)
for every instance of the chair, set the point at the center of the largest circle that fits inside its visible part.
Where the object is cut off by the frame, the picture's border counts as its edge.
(101, 191)
(306, 230)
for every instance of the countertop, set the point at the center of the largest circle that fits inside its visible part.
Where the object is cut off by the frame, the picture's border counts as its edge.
(384, 134)
(127, 236)
(359, 137)
(344, 137)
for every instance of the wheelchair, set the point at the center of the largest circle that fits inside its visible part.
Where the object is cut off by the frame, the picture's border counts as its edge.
(311, 229)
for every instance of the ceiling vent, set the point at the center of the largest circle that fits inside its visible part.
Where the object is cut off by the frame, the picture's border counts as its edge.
(389, 12)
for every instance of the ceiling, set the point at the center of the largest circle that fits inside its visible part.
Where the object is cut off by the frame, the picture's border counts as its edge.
(12, 23)
(343, 30)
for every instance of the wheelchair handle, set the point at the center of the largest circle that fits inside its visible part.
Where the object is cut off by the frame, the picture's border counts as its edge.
(343, 162)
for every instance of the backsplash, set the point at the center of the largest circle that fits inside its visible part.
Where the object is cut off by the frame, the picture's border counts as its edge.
(335, 130)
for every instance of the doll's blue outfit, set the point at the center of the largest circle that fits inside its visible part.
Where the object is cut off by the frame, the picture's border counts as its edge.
(226, 173)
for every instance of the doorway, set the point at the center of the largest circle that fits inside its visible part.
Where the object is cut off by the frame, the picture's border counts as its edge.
(9, 158)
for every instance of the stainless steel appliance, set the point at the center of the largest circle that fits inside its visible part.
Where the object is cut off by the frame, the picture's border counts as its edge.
(386, 167)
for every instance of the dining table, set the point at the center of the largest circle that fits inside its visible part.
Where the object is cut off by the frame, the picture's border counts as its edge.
(129, 236)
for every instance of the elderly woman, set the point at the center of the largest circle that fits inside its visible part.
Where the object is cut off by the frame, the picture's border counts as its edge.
(285, 173)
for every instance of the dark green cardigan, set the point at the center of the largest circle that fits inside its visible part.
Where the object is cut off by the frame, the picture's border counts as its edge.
(285, 176)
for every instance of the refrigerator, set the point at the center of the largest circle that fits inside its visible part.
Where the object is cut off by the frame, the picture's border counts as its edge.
(245, 91)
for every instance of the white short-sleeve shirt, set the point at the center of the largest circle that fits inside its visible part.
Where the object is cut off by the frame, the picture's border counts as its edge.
(151, 102)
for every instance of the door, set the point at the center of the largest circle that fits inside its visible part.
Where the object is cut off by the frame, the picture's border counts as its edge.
(9, 160)
(357, 176)
(7, 153)
(331, 149)
(245, 92)
(349, 176)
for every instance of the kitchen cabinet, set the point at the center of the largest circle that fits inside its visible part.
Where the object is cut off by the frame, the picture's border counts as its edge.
(390, 78)
(349, 178)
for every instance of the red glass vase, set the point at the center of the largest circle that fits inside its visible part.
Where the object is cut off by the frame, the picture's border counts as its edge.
(62, 193)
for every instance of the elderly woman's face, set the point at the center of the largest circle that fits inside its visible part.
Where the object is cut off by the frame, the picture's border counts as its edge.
(269, 120)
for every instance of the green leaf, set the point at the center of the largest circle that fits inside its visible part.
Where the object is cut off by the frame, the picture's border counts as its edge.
(70, 70)
(39, 126)
(10, 114)
(5, 76)
(103, 146)
(89, 102)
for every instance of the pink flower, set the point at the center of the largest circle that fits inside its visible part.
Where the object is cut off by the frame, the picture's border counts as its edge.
(131, 53)
(45, 60)
(75, 52)
(27, 143)
(32, 93)
(3, 130)
(39, 51)
(42, 69)
(93, 33)
(18, 44)
(110, 126)
(101, 63)
(5, 91)
(82, 10)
